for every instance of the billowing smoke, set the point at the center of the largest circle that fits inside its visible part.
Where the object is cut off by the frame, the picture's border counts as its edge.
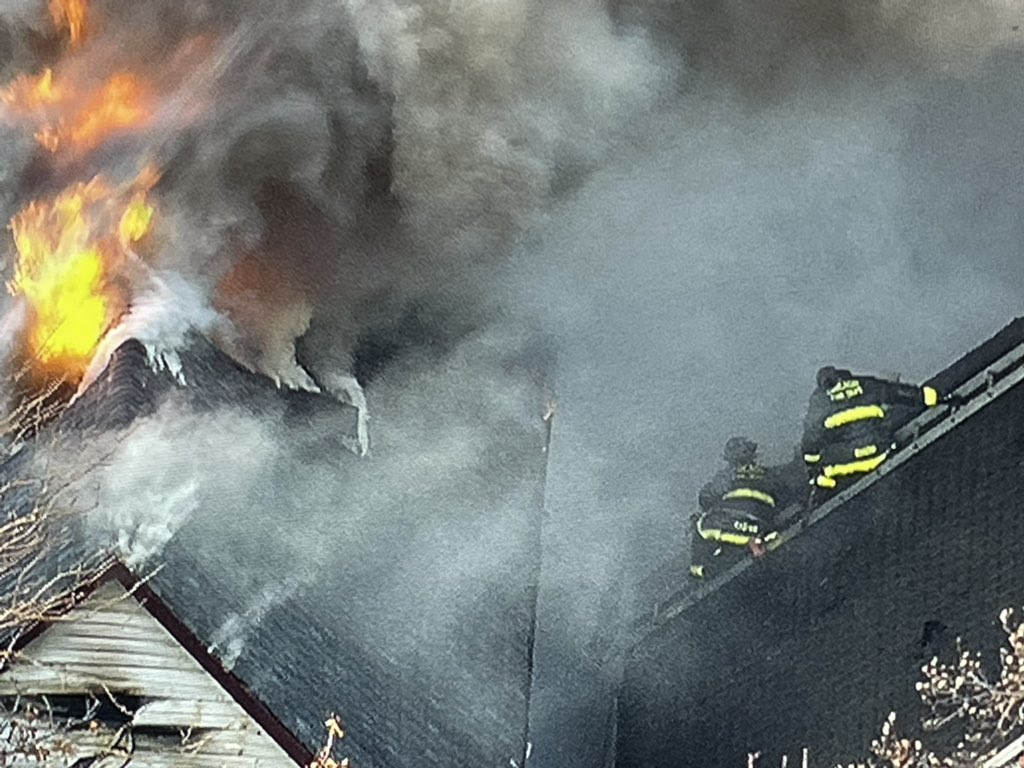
(419, 553)
(329, 163)
(700, 202)
(835, 184)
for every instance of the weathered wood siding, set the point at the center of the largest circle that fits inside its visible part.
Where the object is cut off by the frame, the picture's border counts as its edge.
(111, 643)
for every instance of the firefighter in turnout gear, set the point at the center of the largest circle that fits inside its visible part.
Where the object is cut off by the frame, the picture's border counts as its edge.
(851, 425)
(738, 507)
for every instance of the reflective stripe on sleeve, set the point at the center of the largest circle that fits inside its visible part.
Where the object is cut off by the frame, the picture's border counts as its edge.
(724, 537)
(851, 415)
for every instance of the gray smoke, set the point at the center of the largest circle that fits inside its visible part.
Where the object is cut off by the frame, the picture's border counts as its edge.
(419, 550)
(700, 201)
(328, 162)
(835, 185)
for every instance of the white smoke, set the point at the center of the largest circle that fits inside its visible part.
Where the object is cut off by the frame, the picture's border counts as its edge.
(153, 477)
(162, 316)
(228, 642)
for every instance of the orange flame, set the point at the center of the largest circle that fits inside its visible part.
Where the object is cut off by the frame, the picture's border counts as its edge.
(75, 251)
(69, 15)
(120, 104)
(70, 251)
(117, 106)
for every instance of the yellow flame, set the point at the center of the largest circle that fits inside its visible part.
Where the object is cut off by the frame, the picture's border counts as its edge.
(32, 92)
(69, 16)
(68, 251)
(136, 220)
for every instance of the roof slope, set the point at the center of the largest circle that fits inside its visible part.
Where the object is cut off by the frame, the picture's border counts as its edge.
(814, 645)
(130, 387)
(357, 631)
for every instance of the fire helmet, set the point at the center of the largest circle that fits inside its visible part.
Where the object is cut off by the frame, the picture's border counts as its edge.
(740, 450)
(828, 376)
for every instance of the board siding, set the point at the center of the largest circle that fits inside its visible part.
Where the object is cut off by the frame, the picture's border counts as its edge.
(111, 643)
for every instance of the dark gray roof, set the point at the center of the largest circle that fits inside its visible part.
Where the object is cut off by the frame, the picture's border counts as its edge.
(318, 644)
(815, 644)
(130, 388)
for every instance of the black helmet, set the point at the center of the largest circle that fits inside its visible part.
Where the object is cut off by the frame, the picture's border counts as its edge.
(829, 376)
(739, 450)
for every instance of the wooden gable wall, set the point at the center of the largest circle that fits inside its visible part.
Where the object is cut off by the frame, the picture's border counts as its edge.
(112, 650)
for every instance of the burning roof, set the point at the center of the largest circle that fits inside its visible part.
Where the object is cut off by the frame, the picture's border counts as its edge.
(298, 582)
(304, 648)
(71, 253)
(77, 249)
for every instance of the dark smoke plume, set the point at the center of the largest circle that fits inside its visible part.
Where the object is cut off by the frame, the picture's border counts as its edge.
(329, 163)
(698, 201)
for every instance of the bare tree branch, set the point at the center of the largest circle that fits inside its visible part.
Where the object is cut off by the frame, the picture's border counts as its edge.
(990, 711)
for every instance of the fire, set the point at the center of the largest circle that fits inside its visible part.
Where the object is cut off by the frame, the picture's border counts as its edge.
(32, 93)
(76, 259)
(117, 106)
(120, 104)
(70, 254)
(69, 16)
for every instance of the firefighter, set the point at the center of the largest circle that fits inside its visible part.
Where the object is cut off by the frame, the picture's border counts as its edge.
(851, 425)
(738, 508)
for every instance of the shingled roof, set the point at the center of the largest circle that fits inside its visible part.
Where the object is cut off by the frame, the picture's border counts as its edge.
(306, 651)
(813, 646)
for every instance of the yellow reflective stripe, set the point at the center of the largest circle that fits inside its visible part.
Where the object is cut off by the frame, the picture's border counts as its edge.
(867, 450)
(812, 458)
(726, 537)
(825, 482)
(846, 390)
(855, 467)
(708, 534)
(738, 539)
(750, 493)
(850, 415)
(931, 396)
(697, 571)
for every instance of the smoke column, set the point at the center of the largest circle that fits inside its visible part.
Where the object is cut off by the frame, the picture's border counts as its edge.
(699, 203)
(835, 186)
